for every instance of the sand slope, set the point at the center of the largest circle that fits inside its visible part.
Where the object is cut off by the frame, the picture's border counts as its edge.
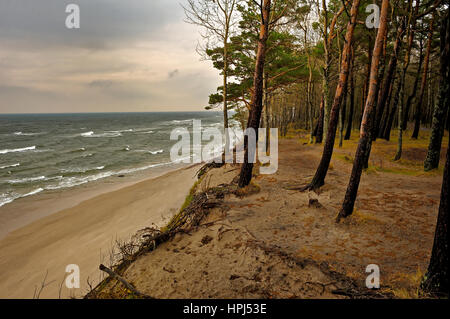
(274, 244)
(84, 235)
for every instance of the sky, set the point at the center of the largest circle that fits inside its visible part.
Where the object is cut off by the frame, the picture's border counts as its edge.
(127, 56)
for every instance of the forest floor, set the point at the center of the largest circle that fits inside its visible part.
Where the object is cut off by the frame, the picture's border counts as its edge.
(271, 242)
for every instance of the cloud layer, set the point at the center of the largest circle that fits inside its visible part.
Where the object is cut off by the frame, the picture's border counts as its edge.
(132, 55)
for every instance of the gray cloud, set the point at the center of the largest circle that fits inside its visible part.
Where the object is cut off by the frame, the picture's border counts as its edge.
(133, 55)
(104, 23)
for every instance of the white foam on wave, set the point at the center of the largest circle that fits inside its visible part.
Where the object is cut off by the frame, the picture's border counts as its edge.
(81, 169)
(15, 150)
(33, 179)
(150, 152)
(106, 134)
(67, 182)
(26, 134)
(38, 190)
(6, 199)
(121, 131)
(85, 134)
(181, 121)
(8, 166)
(9, 198)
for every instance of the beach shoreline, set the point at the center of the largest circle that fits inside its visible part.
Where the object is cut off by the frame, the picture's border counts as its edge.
(46, 232)
(24, 211)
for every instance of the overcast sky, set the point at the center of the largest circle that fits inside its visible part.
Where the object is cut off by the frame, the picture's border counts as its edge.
(128, 55)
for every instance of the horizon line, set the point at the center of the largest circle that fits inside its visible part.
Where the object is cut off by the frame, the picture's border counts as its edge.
(112, 112)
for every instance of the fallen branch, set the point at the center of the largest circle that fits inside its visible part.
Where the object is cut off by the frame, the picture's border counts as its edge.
(123, 281)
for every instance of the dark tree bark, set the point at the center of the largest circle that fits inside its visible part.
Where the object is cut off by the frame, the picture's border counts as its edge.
(414, 90)
(343, 112)
(366, 83)
(419, 107)
(411, 28)
(343, 108)
(387, 84)
(385, 119)
(319, 177)
(348, 132)
(379, 92)
(442, 106)
(318, 132)
(366, 125)
(390, 117)
(436, 280)
(257, 96)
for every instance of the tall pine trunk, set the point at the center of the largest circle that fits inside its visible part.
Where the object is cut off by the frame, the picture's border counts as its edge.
(366, 125)
(419, 107)
(383, 106)
(225, 92)
(442, 106)
(410, 32)
(436, 279)
(319, 177)
(348, 131)
(414, 90)
(254, 116)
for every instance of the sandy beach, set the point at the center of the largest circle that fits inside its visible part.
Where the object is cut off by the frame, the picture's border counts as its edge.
(82, 233)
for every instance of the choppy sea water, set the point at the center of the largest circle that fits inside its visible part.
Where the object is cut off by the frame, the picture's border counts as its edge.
(47, 152)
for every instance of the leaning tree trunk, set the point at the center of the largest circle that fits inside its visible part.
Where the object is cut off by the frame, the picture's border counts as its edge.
(366, 125)
(386, 88)
(254, 116)
(442, 106)
(418, 113)
(319, 177)
(435, 281)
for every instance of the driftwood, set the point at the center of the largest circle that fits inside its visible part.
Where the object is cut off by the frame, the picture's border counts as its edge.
(123, 281)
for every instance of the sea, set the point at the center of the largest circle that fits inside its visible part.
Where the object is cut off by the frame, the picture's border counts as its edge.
(50, 152)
